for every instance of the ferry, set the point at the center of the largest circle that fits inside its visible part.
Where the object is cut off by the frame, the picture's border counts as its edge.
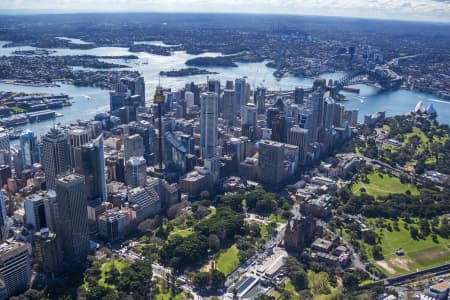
(14, 134)
(15, 120)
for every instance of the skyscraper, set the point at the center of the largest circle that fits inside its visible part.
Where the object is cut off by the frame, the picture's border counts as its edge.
(240, 86)
(52, 218)
(55, 156)
(3, 219)
(77, 138)
(214, 86)
(328, 114)
(260, 100)
(248, 120)
(135, 171)
(29, 149)
(271, 162)
(93, 169)
(133, 146)
(35, 211)
(208, 125)
(299, 137)
(316, 103)
(15, 267)
(73, 221)
(4, 139)
(47, 251)
(299, 94)
(229, 108)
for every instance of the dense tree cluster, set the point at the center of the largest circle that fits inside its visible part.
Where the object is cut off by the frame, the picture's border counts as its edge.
(427, 204)
(132, 282)
(211, 279)
(296, 273)
(185, 251)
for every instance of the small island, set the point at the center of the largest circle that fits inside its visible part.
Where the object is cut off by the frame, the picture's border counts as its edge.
(186, 72)
(219, 61)
(152, 49)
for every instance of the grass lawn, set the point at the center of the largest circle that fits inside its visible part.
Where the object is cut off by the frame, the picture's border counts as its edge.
(263, 230)
(184, 232)
(17, 110)
(383, 186)
(168, 294)
(276, 218)
(419, 254)
(288, 286)
(318, 281)
(228, 260)
(119, 264)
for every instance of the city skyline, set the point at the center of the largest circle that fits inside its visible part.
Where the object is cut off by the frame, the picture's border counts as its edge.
(409, 10)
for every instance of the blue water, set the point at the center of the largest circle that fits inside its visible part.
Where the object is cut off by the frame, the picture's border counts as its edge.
(368, 101)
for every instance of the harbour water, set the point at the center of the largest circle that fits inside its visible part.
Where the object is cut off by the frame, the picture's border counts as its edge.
(90, 101)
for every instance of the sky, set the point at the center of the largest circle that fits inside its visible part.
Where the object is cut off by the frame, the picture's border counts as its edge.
(414, 10)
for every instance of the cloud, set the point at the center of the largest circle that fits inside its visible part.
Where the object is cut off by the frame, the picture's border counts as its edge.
(400, 9)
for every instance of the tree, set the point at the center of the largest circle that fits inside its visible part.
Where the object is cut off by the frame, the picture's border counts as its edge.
(112, 275)
(424, 227)
(414, 232)
(204, 195)
(444, 229)
(286, 295)
(369, 237)
(201, 280)
(296, 273)
(377, 252)
(214, 242)
(350, 280)
(100, 292)
(217, 278)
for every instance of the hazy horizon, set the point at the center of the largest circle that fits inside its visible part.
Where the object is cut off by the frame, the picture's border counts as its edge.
(406, 10)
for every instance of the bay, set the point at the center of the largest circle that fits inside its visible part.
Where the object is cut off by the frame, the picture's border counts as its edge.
(369, 100)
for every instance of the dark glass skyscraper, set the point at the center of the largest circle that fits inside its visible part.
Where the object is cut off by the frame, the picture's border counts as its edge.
(73, 220)
(93, 169)
(3, 219)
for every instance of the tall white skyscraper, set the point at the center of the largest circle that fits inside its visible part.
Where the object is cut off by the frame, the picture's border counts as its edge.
(208, 124)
